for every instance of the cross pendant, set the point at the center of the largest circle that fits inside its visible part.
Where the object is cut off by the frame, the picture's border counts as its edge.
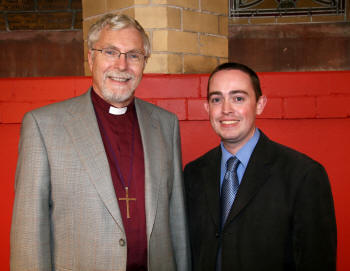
(127, 199)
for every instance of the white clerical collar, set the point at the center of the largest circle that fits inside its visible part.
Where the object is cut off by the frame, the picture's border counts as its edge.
(117, 111)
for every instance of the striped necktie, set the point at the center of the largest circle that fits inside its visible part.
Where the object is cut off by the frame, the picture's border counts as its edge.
(229, 188)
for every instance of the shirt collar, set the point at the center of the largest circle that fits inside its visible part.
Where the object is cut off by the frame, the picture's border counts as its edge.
(245, 152)
(105, 106)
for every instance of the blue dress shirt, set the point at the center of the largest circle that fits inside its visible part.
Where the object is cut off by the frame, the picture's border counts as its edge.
(243, 156)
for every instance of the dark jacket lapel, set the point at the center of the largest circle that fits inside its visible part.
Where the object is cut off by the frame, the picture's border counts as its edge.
(255, 176)
(211, 180)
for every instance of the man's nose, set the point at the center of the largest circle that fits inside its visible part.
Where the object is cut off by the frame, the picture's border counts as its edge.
(227, 106)
(121, 62)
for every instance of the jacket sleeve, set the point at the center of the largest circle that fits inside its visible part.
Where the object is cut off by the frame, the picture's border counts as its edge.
(30, 230)
(314, 227)
(178, 221)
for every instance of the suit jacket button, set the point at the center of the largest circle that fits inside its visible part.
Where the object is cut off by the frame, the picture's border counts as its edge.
(217, 235)
(122, 242)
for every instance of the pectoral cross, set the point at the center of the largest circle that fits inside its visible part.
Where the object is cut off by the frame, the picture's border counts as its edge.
(127, 199)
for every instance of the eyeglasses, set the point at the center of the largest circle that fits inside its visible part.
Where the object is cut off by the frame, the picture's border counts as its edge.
(131, 57)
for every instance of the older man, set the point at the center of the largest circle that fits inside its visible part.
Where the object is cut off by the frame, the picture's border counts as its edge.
(99, 177)
(254, 204)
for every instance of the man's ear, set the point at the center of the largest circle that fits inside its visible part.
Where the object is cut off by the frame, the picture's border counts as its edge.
(206, 106)
(90, 59)
(145, 63)
(260, 105)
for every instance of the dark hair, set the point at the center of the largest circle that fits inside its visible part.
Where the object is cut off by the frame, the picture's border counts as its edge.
(237, 66)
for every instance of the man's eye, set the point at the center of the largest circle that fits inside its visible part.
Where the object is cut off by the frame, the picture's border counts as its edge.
(215, 100)
(239, 99)
(134, 56)
(110, 52)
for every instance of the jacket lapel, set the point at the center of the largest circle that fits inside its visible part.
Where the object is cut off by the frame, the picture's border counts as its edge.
(84, 131)
(153, 149)
(255, 176)
(211, 179)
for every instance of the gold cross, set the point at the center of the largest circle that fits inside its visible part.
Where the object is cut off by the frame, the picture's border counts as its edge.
(127, 199)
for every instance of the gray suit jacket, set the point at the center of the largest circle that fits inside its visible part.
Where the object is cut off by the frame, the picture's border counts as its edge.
(66, 215)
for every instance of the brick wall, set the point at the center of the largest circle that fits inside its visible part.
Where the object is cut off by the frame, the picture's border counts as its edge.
(309, 95)
(307, 111)
(187, 36)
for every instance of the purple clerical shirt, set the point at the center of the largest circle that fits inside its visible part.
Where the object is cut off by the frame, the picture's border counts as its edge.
(121, 134)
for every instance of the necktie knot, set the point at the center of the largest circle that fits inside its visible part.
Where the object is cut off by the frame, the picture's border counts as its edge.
(232, 164)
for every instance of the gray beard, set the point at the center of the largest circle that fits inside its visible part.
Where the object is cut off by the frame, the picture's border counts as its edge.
(115, 98)
(112, 97)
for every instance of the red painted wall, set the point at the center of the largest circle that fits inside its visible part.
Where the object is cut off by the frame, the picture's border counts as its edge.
(308, 111)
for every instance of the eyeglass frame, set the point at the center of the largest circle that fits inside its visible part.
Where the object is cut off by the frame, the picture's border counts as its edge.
(129, 60)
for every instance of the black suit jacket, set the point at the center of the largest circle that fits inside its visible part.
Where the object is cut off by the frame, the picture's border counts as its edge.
(282, 218)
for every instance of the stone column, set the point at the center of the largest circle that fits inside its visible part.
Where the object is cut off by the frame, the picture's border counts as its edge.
(187, 36)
